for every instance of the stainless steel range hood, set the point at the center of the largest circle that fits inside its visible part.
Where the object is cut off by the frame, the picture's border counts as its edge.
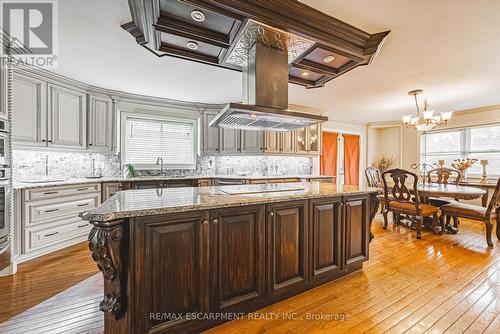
(264, 54)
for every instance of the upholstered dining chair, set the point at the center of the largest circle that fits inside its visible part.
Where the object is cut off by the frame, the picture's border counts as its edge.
(374, 179)
(401, 196)
(478, 213)
(443, 175)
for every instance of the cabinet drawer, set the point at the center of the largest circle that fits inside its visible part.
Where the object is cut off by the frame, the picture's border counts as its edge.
(43, 211)
(63, 191)
(275, 180)
(55, 233)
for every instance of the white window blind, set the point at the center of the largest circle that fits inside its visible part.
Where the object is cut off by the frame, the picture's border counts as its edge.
(481, 142)
(146, 139)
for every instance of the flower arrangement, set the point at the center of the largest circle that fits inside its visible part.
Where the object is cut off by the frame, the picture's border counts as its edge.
(384, 163)
(463, 164)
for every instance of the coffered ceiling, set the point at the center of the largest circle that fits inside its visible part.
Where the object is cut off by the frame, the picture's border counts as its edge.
(448, 48)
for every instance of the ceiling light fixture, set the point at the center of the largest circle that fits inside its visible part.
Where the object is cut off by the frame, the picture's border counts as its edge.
(192, 45)
(198, 15)
(329, 59)
(425, 120)
(305, 74)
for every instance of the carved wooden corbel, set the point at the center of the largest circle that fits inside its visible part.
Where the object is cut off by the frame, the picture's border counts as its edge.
(107, 247)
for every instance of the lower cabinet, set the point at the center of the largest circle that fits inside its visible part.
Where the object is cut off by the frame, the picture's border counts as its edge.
(325, 238)
(357, 231)
(287, 246)
(174, 251)
(238, 258)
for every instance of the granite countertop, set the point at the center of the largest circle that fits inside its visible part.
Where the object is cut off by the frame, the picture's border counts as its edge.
(148, 202)
(73, 181)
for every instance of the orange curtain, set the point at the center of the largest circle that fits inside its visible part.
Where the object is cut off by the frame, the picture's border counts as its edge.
(328, 163)
(351, 160)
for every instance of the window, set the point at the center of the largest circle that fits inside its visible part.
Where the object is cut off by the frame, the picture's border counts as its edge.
(482, 143)
(148, 137)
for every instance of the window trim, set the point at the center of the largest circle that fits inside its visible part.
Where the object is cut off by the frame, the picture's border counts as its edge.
(155, 117)
(465, 146)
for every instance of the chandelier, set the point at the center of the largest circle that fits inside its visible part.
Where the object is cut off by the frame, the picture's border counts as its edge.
(425, 120)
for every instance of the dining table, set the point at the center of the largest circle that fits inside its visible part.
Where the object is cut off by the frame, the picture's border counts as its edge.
(453, 191)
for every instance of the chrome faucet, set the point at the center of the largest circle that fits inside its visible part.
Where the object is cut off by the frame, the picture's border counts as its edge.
(159, 161)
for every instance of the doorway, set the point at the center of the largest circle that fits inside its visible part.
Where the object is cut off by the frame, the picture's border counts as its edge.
(340, 157)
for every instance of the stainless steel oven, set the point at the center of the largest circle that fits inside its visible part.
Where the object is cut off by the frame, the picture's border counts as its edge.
(4, 144)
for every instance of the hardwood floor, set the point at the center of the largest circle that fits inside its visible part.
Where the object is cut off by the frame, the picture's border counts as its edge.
(440, 284)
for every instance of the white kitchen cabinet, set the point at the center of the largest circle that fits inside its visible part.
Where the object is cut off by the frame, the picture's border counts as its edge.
(100, 123)
(252, 141)
(271, 142)
(211, 144)
(29, 111)
(67, 114)
(287, 142)
(230, 141)
(50, 219)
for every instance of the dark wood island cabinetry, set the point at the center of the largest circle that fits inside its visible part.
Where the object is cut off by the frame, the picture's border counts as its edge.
(214, 256)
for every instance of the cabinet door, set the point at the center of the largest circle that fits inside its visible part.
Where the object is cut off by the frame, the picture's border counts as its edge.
(238, 261)
(210, 134)
(67, 115)
(251, 141)
(325, 238)
(287, 142)
(271, 142)
(229, 141)
(29, 111)
(109, 189)
(357, 230)
(301, 141)
(314, 139)
(287, 246)
(178, 280)
(100, 123)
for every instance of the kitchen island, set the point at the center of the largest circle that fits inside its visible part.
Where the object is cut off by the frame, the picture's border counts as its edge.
(187, 259)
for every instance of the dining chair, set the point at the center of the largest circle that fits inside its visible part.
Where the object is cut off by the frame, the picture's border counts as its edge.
(478, 213)
(444, 175)
(374, 179)
(402, 199)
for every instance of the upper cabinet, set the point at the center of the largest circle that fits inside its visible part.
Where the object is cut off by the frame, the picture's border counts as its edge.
(29, 111)
(53, 113)
(100, 122)
(228, 141)
(287, 142)
(308, 140)
(67, 114)
(252, 141)
(211, 135)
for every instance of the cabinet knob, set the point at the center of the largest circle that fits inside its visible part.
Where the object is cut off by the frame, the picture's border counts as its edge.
(90, 144)
(50, 141)
(44, 141)
(205, 222)
(215, 221)
(271, 213)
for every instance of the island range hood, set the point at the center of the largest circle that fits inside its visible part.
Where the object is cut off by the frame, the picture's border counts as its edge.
(264, 54)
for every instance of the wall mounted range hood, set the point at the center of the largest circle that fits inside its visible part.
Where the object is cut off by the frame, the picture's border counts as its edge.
(264, 54)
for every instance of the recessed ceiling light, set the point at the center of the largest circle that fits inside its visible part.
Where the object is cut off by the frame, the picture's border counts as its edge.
(329, 59)
(305, 74)
(192, 45)
(198, 15)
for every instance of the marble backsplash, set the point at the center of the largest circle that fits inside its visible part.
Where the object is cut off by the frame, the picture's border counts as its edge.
(27, 165)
